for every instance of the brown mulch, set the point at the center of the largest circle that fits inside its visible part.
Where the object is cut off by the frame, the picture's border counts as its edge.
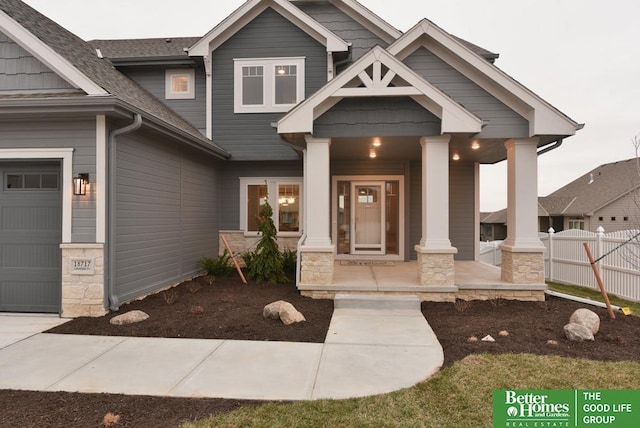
(231, 310)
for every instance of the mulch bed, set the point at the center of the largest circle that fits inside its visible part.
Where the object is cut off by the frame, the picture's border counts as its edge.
(231, 310)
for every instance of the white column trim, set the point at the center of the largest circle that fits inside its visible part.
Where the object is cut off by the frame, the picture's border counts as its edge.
(317, 195)
(66, 156)
(522, 196)
(435, 195)
(101, 179)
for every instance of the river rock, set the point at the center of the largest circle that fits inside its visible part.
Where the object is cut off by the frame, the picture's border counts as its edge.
(130, 317)
(577, 332)
(587, 318)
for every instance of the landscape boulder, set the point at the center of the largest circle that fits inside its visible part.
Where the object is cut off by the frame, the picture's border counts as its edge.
(130, 317)
(285, 311)
(577, 332)
(587, 318)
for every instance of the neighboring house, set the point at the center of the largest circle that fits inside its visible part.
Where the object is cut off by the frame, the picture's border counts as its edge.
(493, 225)
(608, 197)
(366, 141)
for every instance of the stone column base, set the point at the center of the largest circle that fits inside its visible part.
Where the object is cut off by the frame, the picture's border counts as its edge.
(83, 280)
(522, 267)
(436, 267)
(316, 267)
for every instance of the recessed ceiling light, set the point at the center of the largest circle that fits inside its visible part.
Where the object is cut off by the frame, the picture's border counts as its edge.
(475, 145)
(456, 156)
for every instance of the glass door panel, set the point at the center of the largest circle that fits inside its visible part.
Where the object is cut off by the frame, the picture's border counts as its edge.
(368, 218)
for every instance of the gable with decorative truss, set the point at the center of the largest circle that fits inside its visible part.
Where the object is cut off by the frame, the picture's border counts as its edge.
(379, 74)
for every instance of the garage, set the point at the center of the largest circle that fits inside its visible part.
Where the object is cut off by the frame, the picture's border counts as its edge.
(30, 237)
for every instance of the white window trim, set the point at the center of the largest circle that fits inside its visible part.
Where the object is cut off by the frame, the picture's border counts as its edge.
(269, 65)
(190, 93)
(66, 156)
(272, 190)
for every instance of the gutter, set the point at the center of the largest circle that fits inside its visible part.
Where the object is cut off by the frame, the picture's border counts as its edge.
(557, 144)
(111, 215)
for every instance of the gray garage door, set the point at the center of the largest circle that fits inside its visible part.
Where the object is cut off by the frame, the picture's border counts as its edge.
(30, 236)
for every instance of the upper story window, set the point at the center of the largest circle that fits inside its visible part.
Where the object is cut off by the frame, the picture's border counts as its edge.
(180, 84)
(268, 84)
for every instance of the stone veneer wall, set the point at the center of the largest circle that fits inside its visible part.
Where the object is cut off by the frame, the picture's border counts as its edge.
(82, 286)
(522, 268)
(240, 243)
(436, 269)
(316, 268)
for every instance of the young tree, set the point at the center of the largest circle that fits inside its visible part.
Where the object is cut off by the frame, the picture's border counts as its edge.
(267, 262)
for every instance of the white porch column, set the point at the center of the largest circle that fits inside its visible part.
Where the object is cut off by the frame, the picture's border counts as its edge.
(522, 251)
(435, 193)
(435, 253)
(317, 252)
(317, 193)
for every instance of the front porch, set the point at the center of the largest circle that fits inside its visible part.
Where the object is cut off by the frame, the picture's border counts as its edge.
(472, 281)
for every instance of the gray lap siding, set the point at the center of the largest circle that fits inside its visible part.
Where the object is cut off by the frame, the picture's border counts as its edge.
(250, 136)
(165, 214)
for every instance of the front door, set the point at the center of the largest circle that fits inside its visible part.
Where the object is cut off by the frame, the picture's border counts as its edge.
(367, 218)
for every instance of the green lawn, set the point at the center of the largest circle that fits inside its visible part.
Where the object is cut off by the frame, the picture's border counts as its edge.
(458, 396)
(594, 295)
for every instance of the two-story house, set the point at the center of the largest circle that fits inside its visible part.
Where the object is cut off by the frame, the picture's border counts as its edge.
(123, 161)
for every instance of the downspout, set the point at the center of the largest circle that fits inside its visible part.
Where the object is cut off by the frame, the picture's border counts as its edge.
(114, 305)
(340, 63)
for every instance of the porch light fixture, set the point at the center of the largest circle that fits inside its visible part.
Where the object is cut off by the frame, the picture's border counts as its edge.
(475, 145)
(372, 154)
(455, 157)
(80, 184)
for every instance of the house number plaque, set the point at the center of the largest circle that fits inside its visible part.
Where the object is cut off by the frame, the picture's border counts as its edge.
(82, 266)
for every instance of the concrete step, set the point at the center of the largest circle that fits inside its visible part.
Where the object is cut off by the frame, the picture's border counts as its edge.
(377, 302)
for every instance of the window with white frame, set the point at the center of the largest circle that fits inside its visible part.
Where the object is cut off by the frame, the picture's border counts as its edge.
(283, 194)
(180, 84)
(268, 84)
(576, 224)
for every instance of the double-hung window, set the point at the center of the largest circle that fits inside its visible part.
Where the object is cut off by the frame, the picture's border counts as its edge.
(283, 194)
(268, 84)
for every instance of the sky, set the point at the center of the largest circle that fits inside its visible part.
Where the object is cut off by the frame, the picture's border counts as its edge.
(581, 56)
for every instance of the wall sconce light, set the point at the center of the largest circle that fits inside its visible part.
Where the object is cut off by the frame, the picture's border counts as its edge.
(80, 184)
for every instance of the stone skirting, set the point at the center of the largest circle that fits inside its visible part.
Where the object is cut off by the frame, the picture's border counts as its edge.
(522, 267)
(316, 268)
(435, 268)
(521, 295)
(82, 280)
(240, 243)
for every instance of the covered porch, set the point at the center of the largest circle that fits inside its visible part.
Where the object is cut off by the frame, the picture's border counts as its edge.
(473, 280)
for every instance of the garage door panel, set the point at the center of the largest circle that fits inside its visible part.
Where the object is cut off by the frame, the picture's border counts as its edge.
(30, 237)
(29, 296)
(31, 256)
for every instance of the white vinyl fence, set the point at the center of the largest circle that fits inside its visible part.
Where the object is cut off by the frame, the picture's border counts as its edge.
(566, 260)
(490, 252)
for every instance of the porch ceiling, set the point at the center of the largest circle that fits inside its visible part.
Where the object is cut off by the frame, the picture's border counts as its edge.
(408, 148)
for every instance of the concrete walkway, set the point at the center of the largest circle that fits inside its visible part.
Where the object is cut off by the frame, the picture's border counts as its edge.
(373, 346)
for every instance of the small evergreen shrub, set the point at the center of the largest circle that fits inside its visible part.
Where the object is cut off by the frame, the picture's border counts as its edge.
(289, 260)
(248, 258)
(267, 263)
(218, 266)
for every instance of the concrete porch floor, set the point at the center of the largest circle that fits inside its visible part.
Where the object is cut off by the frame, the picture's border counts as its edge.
(402, 278)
